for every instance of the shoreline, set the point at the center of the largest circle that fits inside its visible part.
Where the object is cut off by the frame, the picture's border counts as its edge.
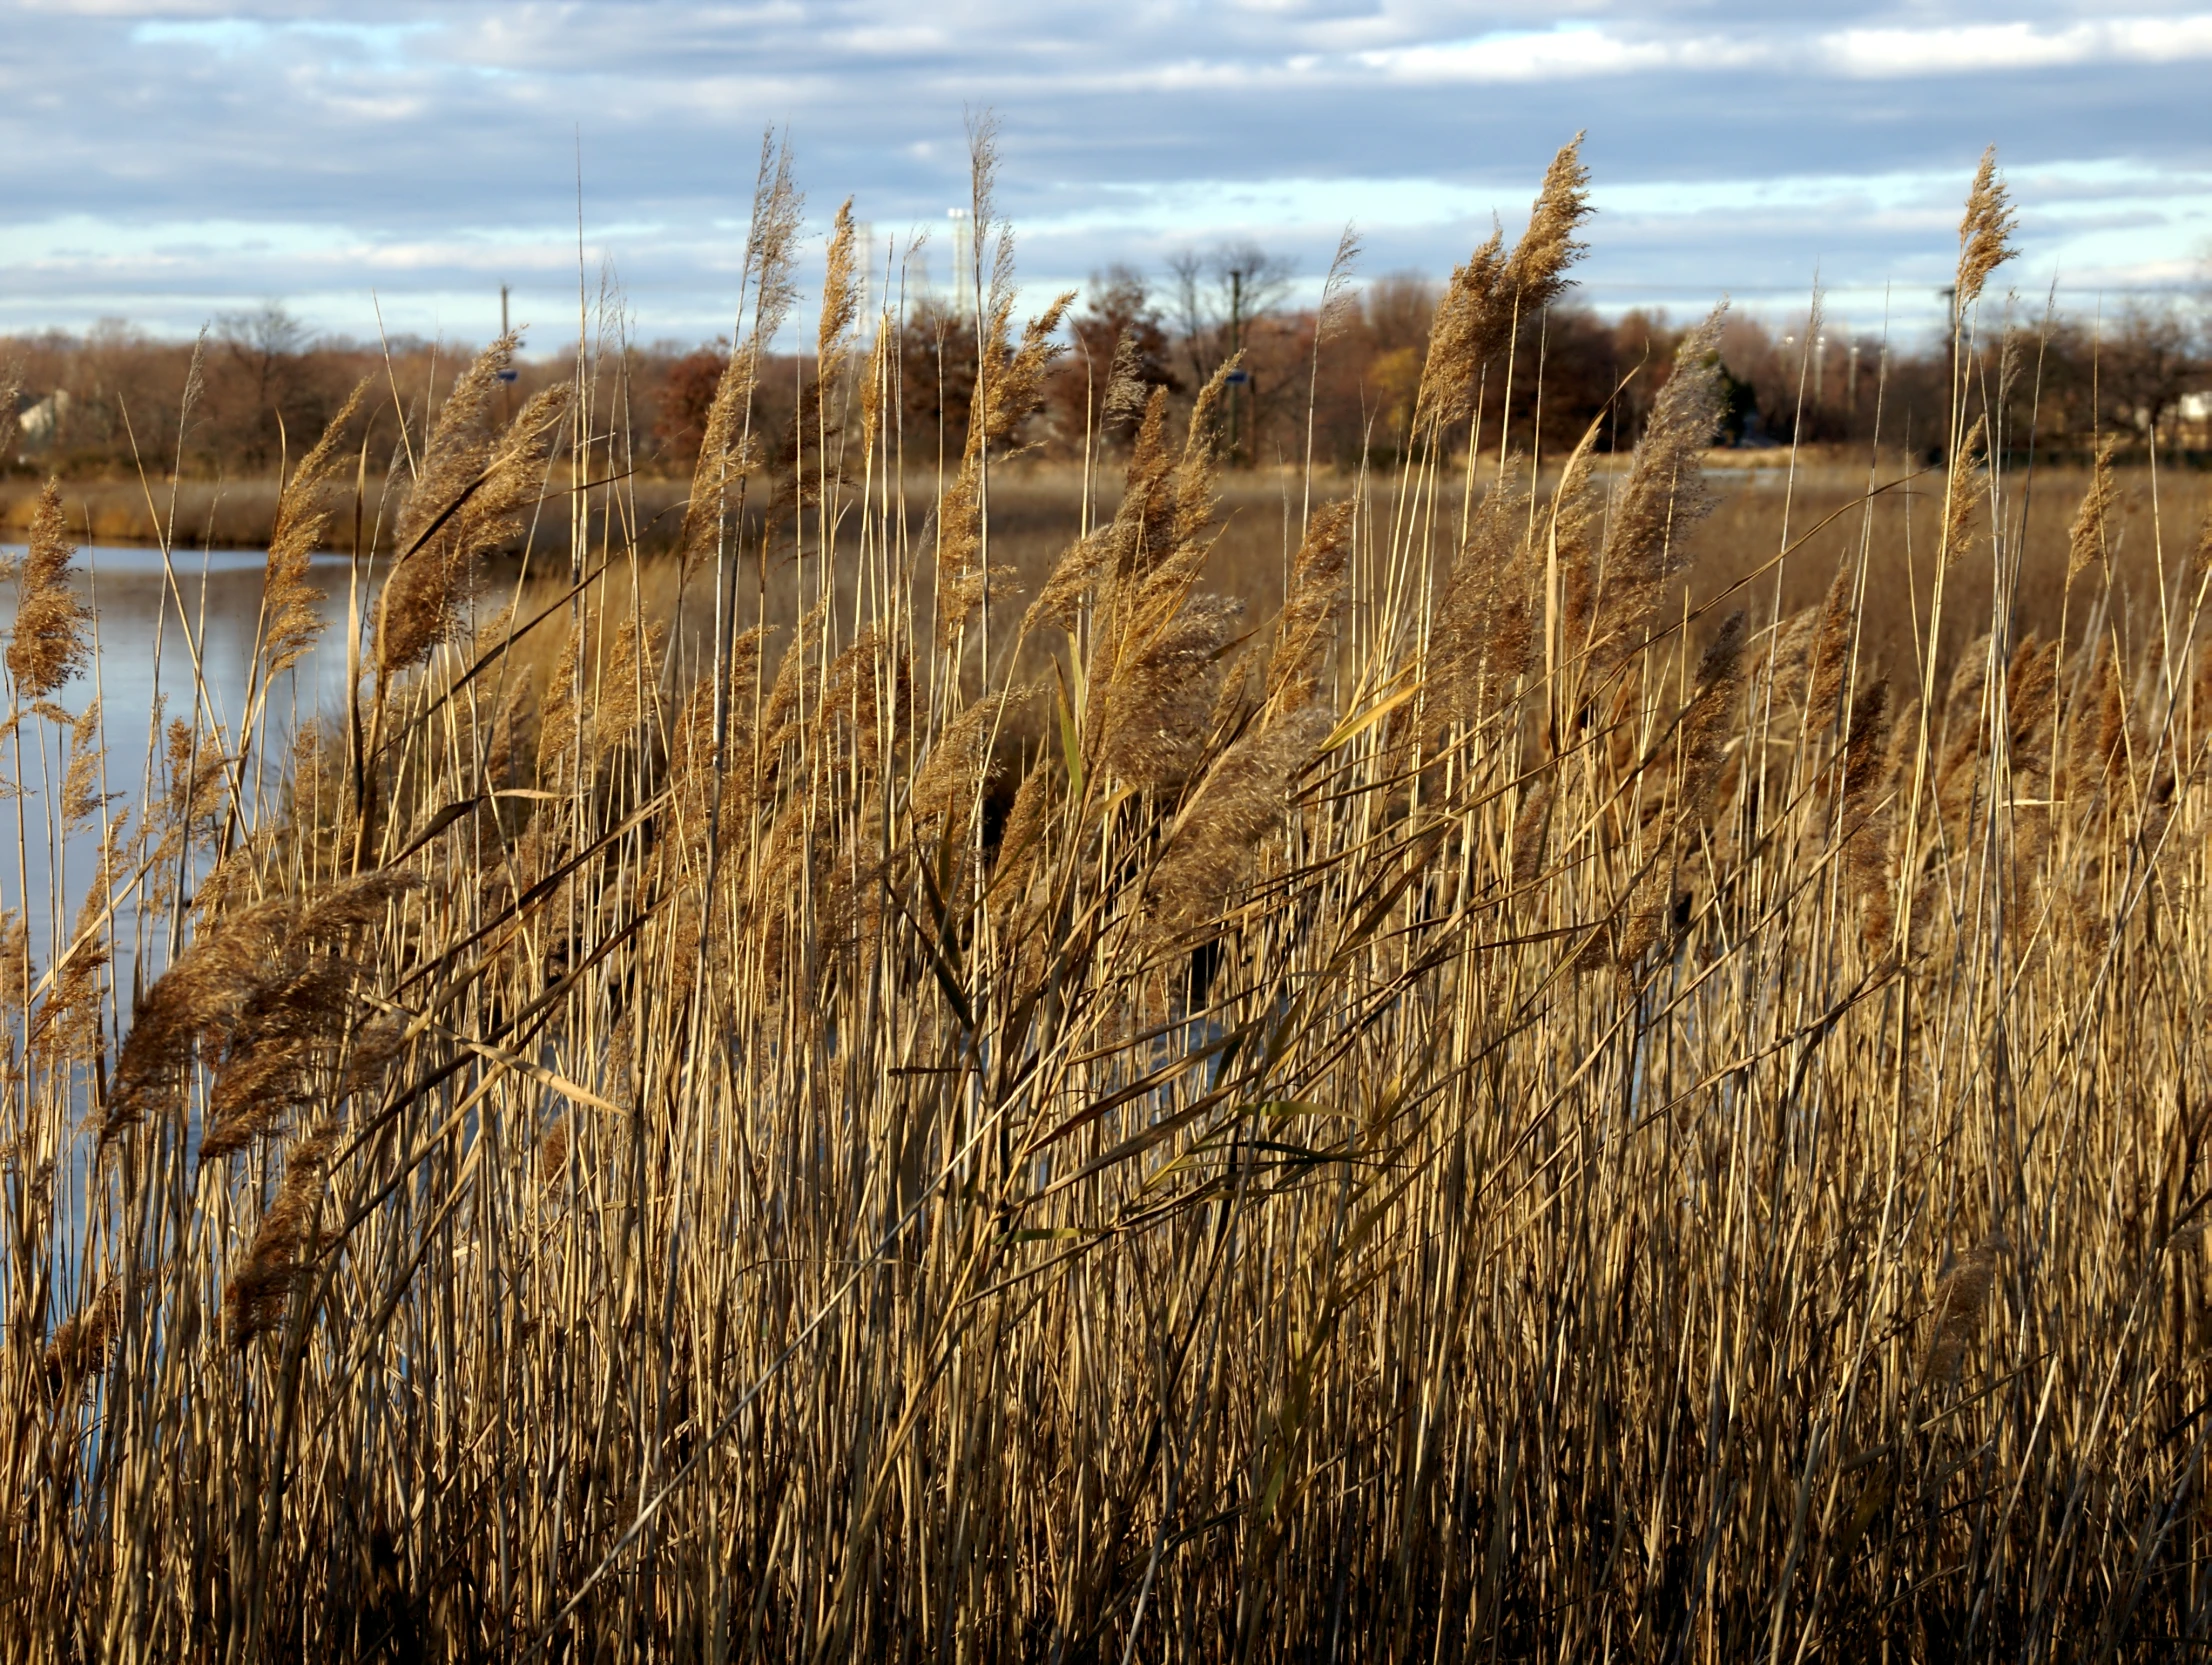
(240, 514)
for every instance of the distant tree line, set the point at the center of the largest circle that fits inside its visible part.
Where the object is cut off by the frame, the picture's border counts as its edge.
(94, 403)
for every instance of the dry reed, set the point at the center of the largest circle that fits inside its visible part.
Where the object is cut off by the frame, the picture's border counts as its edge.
(757, 1128)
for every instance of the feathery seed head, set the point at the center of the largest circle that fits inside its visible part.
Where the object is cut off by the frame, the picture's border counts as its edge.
(254, 1300)
(1962, 1293)
(1536, 275)
(1829, 655)
(291, 621)
(840, 294)
(1309, 610)
(83, 1344)
(1126, 390)
(17, 973)
(1240, 799)
(1646, 535)
(1469, 325)
(2085, 539)
(466, 502)
(80, 791)
(49, 646)
(1156, 708)
(1985, 232)
(1484, 631)
(876, 385)
(1704, 727)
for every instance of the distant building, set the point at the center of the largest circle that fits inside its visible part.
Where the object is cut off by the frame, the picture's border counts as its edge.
(2194, 410)
(43, 419)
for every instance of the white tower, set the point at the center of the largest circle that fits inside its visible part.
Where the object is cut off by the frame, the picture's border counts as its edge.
(963, 262)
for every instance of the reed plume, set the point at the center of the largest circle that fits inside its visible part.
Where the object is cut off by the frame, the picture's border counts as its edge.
(1865, 819)
(1469, 325)
(1536, 273)
(1828, 654)
(83, 1343)
(1646, 543)
(727, 447)
(2096, 736)
(1127, 393)
(1007, 391)
(48, 646)
(255, 1297)
(1985, 232)
(1239, 800)
(81, 798)
(1656, 894)
(1706, 721)
(840, 296)
(1964, 488)
(1163, 692)
(1962, 1294)
(291, 622)
(959, 765)
(1072, 581)
(1027, 824)
(465, 502)
(2086, 539)
(1310, 609)
(1162, 645)
(262, 994)
(1486, 619)
(17, 972)
(1530, 825)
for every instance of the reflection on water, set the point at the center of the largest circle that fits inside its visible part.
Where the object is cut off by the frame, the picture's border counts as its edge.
(150, 623)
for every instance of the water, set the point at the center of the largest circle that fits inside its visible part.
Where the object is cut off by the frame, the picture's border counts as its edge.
(144, 649)
(148, 619)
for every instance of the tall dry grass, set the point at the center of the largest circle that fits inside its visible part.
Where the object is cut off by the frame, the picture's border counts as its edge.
(1563, 1096)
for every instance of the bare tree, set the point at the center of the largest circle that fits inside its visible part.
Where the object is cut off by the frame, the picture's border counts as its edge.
(1219, 296)
(2150, 360)
(263, 349)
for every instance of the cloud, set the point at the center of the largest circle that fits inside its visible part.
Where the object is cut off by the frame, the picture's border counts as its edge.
(1578, 51)
(1566, 53)
(191, 156)
(1985, 49)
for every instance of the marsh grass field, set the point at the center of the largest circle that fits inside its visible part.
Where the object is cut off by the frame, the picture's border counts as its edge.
(1470, 1060)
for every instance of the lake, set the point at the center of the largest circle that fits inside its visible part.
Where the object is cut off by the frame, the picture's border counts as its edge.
(143, 652)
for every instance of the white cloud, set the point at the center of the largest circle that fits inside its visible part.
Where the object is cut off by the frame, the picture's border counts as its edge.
(1574, 51)
(1565, 53)
(1995, 48)
(203, 151)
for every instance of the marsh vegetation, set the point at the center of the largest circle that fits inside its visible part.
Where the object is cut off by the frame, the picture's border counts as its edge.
(1490, 1070)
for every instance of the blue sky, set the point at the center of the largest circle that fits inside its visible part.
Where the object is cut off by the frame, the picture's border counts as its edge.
(167, 160)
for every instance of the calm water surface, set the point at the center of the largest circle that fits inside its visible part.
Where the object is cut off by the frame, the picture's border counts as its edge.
(144, 646)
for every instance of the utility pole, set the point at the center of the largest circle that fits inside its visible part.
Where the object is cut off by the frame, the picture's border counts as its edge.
(507, 378)
(1236, 345)
(1950, 294)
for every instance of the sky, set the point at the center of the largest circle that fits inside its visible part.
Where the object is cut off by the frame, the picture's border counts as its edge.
(169, 161)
